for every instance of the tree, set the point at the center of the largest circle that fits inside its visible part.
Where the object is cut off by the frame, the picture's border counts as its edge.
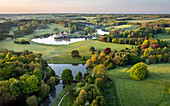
(21, 41)
(138, 71)
(32, 84)
(38, 73)
(168, 31)
(100, 71)
(44, 90)
(67, 76)
(78, 77)
(51, 81)
(92, 49)
(32, 101)
(107, 51)
(75, 54)
(88, 63)
(99, 83)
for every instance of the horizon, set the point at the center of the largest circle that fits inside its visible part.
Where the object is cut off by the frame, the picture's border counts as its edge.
(88, 6)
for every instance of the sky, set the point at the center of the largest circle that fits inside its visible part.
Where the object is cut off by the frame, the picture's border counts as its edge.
(84, 6)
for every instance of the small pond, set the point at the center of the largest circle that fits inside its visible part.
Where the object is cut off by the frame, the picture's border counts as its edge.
(51, 40)
(58, 68)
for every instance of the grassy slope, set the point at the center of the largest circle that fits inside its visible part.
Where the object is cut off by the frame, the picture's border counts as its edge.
(125, 27)
(85, 51)
(150, 91)
(64, 91)
(164, 36)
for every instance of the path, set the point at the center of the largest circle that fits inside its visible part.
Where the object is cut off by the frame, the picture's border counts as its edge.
(64, 96)
(68, 50)
(44, 75)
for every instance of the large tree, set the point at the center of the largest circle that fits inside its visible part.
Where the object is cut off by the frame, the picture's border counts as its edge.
(67, 76)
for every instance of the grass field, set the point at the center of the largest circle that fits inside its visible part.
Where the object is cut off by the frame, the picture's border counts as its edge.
(125, 27)
(151, 91)
(85, 51)
(67, 98)
(163, 36)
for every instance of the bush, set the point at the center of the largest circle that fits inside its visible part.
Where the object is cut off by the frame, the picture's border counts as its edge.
(83, 58)
(159, 58)
(78, 77)
(32, 101)
(152, 59)
(44, 90)
(75, 54)
(138, 71)
(88, 63)
(168, 31)
(51, 81)
(99, 82)
(111, 66)
(80, 84)
(92, 49)
(107, 51)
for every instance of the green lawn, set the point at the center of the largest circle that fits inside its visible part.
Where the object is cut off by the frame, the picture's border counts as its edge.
(150, 91)
(67, 98)
(163, 36)
(125, 27)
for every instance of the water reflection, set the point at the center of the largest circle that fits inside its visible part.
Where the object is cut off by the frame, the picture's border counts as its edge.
(63, 41)
(58, 68)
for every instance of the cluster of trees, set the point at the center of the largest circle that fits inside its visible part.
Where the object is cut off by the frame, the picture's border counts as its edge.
(90, 92)
(111, 59)
(25, 28)
(22, 41)
(146, 30)
(21, 78)
(5, 28)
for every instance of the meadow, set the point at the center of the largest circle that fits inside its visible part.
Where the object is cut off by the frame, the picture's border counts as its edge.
(125, 27)
(163, 36)
(153, 90)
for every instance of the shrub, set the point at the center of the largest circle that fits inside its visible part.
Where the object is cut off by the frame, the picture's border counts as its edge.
(144, 46)
(152, 59)
(83, 58)
(78, 77)
(159, 58)
(168, 31)
(80, 84)
(157, 46)
(67, 76)
(138, 71)
(100, 71)
(99, 82)
(92, 49)
(107, 51)
(44, 90)
(32, 101)
(51, 81)
(75, 54)
(111, 66)
(88, 63)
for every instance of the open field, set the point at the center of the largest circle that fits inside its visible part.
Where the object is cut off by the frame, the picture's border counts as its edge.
(142, 21)
(85, 51)
(125, 27)
(163, 36)
(153, 90)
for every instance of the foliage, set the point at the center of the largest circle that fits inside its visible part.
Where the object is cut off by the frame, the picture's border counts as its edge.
(44, 90)
(138, 71)
(32, 101)
(75, 54)
(67, 76)
(51, 81)
(107, 51)
(99, 82)
(100, 71)
(78, 77)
